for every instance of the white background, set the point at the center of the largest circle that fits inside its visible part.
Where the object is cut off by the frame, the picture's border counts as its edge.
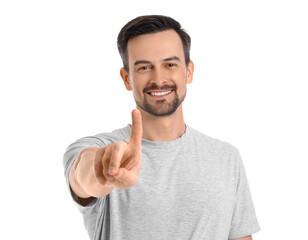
(59, 71)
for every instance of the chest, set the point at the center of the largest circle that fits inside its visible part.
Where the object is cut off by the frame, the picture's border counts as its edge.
(188, 184)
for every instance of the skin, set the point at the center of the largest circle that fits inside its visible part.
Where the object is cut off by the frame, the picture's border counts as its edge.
(244, 238)
(157, 63)
(156, 49)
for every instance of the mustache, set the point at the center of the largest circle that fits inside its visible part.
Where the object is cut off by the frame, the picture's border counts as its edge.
(155, 87)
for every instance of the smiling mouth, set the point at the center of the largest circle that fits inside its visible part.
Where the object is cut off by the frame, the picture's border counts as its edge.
(159, 93)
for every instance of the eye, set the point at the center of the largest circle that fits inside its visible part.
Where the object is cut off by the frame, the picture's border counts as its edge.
(143, 68)
(171, 65)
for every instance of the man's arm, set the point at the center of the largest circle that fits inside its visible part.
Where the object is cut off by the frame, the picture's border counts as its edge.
(97, 170)
(244, 238)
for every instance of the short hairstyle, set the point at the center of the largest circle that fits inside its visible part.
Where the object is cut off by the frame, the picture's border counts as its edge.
(150, 24)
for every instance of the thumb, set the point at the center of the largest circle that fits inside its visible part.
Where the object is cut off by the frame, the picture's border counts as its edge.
(126, 178)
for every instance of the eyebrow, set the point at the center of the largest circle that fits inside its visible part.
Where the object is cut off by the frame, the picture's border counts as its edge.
(141, 62)
(164, 60)
(172, 58)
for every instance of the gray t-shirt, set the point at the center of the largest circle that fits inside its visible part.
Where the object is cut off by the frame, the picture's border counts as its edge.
(193, 187)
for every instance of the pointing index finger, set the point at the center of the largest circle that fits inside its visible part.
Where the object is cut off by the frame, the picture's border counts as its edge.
(136, 132)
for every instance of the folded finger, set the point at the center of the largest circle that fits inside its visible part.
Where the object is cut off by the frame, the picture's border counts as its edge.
(98, 167)
(116, 157)
(105, 162)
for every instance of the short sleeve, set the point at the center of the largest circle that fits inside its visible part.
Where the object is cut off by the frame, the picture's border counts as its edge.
(244, 220)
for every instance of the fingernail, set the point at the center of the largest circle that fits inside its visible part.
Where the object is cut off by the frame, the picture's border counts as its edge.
(112, 170)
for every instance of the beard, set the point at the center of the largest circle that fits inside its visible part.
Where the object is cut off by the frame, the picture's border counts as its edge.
(162, 107)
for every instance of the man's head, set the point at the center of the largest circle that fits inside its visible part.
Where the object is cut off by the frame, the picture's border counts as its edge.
(156, 63)
(150, 24)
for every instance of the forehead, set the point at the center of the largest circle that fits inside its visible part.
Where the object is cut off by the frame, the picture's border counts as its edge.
(155, 46)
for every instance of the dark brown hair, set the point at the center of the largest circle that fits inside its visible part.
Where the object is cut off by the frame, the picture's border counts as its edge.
(150, 24)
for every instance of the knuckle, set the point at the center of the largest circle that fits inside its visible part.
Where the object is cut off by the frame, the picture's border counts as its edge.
(119, 145)
(116, 146)
(124, 143)
(108, 148)
(100, 150)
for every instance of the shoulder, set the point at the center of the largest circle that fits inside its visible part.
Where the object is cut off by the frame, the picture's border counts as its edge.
(102, 139)
(98, 140)
(212, 143)
(114, 136)
(218, 152)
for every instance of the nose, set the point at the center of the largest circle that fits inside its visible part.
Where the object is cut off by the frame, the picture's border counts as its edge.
(158, 77)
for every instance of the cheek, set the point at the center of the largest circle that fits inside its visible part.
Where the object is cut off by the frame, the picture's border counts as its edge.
(180, 81)
(137, 88)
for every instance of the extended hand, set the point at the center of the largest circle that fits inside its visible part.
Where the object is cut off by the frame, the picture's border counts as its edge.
(118, 164)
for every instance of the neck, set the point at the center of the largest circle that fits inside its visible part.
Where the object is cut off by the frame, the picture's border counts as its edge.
(163, 129)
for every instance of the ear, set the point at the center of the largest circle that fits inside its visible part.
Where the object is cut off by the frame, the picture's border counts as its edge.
(125, 79)
(190, 72)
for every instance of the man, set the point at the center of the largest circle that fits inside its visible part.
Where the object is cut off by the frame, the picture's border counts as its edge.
(187, 185)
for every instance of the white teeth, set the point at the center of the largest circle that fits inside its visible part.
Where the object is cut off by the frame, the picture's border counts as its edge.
(160, 93)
